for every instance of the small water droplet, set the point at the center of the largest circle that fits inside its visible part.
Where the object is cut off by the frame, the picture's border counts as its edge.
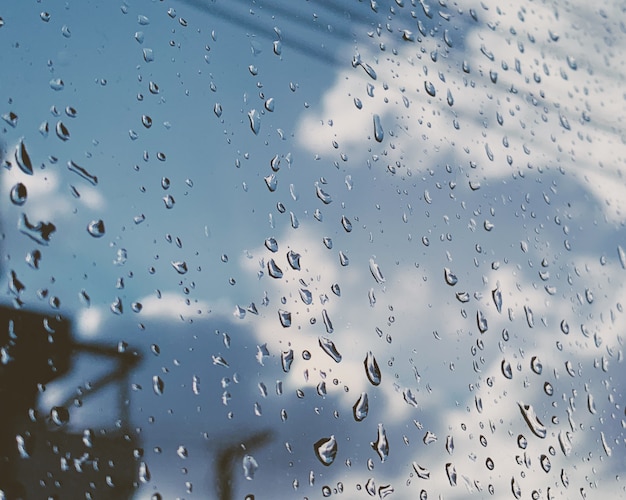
(59, 415)
(326, 450)
(144, 473)
(273, 269)
(345, 222)
(271, 181)
(169, 201)
(92, 179)
(62, 132)
(322, 195)
(481, 321)
(286, 359)
(148, 55)
(430, 88)
(96, 228)
(284, 317)
(294, 260)
(451, 473)
(507, 371)
(535, 365)
(376, 272)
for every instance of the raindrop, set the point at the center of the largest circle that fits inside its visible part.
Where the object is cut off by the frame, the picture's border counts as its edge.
(381, 445)
(327, 322)
(169, 201)
(272, 182)
(18, 194)
(57, 84)
(62, 132)
(273, 269)
(622, 256)
(117, 307)
(306, 296)
(361, 407)
(294, 260)
(148, 55)
(59, 415)
(371, 369)
(422, 472)
(250, 466)
(506, 369)
(96, 228)
(158, 385)
(450, 277)
(430, 88)
(345, 222)
(545, 463)
(497, 299)
(286, 359)
(285, 318)
(515, 489)
(23, 158)
(533, 422)
(376, 272)
(326, 450)
(255, 121)
(535, 365)
(144, 473)
(39, 232)
(328, 346)
(379, 134)
(481, 320)
(180, 266)
(73, 167)
(451, 473)
(322, 195)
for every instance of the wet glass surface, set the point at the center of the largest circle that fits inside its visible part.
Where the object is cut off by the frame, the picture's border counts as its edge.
(309, 249)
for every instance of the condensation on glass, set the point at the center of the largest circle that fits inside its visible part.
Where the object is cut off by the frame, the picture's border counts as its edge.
(308, 249)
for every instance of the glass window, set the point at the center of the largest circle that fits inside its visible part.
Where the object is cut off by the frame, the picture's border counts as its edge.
(307, 249)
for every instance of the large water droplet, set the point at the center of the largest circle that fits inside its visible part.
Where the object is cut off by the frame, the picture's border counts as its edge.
(180, 266)
(326, 450)
(507, 371)
(18, 194)
(381, 445)
(345, 222)
(255, 121)
(22, 158)
(62, 132)
(284, 317)
(271, 244)
(250, 466)
(430, 88)
(422, 472)
(376, 272)
(92, 179)
(158, 385)
(481, 321)
(534, 424)
(286, 359)
(96, 228)
(294, 260)
(328, 346)
(39, 232)
(306, 296)
(497, 299)
(451, 473)
(450, 277)
(379, 133)
(361, 407)
(144, 473)
(59, 415)
(273, 269)
(322, 195)
(371, 369)
(271, 181)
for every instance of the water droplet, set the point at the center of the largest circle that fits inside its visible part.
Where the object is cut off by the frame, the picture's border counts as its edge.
(529, 316)
(148, 55)
(535, 365)
(565, 442)
(56, 84)
(564, 327)
(522, 442)
(376, 272)
(217, 109)
(180, 266)
(326, 450)
(92, 179)
(250, 466)
(449, 444)
(23, 158)
(534, 424)
(273, 269)
(345, 222)
(327, 322)
(497, 299)
(144, 473)
(507, 371)
(451, 473)
(422, 472)
(328, 346)
(286, 359)
(18, 194)
(343, 259)
(169, 201)
(10, 118)
(39, 232)
(322, 195)
(371, 369)
(379, 133)
(430, 88)
(285, 318)
(306, 296)
(96, 228)
(489, 463)
(294, 260)
(271, 181)
(182, 452)
(255, 121)
(409, 397)
(450, 277)
(62, 132)
(59, 415)
(361, 407)
(117, 307)
(545, 463)
(381, 445)
(481, 320)
(515, 489)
